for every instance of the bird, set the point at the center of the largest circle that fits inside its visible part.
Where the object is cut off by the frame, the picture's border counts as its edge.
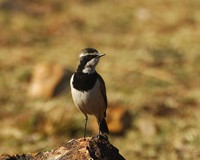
(88, 89)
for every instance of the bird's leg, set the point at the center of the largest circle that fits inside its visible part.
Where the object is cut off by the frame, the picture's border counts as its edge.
(99, 123)
(86, 119)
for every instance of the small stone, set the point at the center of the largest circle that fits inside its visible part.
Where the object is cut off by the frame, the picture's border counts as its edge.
(48, 80)
(118, 119)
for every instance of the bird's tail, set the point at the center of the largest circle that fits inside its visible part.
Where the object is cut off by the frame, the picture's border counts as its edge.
(103, 127)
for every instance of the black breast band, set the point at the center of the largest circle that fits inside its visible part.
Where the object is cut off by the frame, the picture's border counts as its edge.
(84, 81)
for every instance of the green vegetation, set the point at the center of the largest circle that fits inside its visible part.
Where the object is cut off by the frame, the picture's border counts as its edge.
(152, 67)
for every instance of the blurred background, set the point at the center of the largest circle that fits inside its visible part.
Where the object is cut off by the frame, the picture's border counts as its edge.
(151, 70)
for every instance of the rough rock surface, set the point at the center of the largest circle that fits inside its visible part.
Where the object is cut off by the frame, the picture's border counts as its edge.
(90, 148)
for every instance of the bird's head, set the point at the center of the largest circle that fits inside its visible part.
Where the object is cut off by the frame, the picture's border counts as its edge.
(89, 58)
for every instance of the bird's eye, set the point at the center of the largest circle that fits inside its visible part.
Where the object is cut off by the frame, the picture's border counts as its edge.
(92, 56)
(87, 58)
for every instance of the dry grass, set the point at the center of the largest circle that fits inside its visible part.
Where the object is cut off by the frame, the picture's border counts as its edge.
(151, 67)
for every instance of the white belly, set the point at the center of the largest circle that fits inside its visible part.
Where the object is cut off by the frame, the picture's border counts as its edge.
(90, 102)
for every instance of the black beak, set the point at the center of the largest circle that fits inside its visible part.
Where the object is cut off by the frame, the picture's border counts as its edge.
(101, 55)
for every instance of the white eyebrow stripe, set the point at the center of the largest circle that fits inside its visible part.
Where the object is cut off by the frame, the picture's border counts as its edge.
(87, 54)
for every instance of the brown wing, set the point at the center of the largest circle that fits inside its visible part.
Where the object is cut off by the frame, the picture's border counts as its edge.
(103, 90)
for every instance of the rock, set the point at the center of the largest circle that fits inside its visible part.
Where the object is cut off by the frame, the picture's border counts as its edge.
(48, 80)
(118, 119)
(76, 149)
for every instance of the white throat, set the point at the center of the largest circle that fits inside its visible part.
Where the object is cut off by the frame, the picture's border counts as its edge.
(88, 69)
(90, 66)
